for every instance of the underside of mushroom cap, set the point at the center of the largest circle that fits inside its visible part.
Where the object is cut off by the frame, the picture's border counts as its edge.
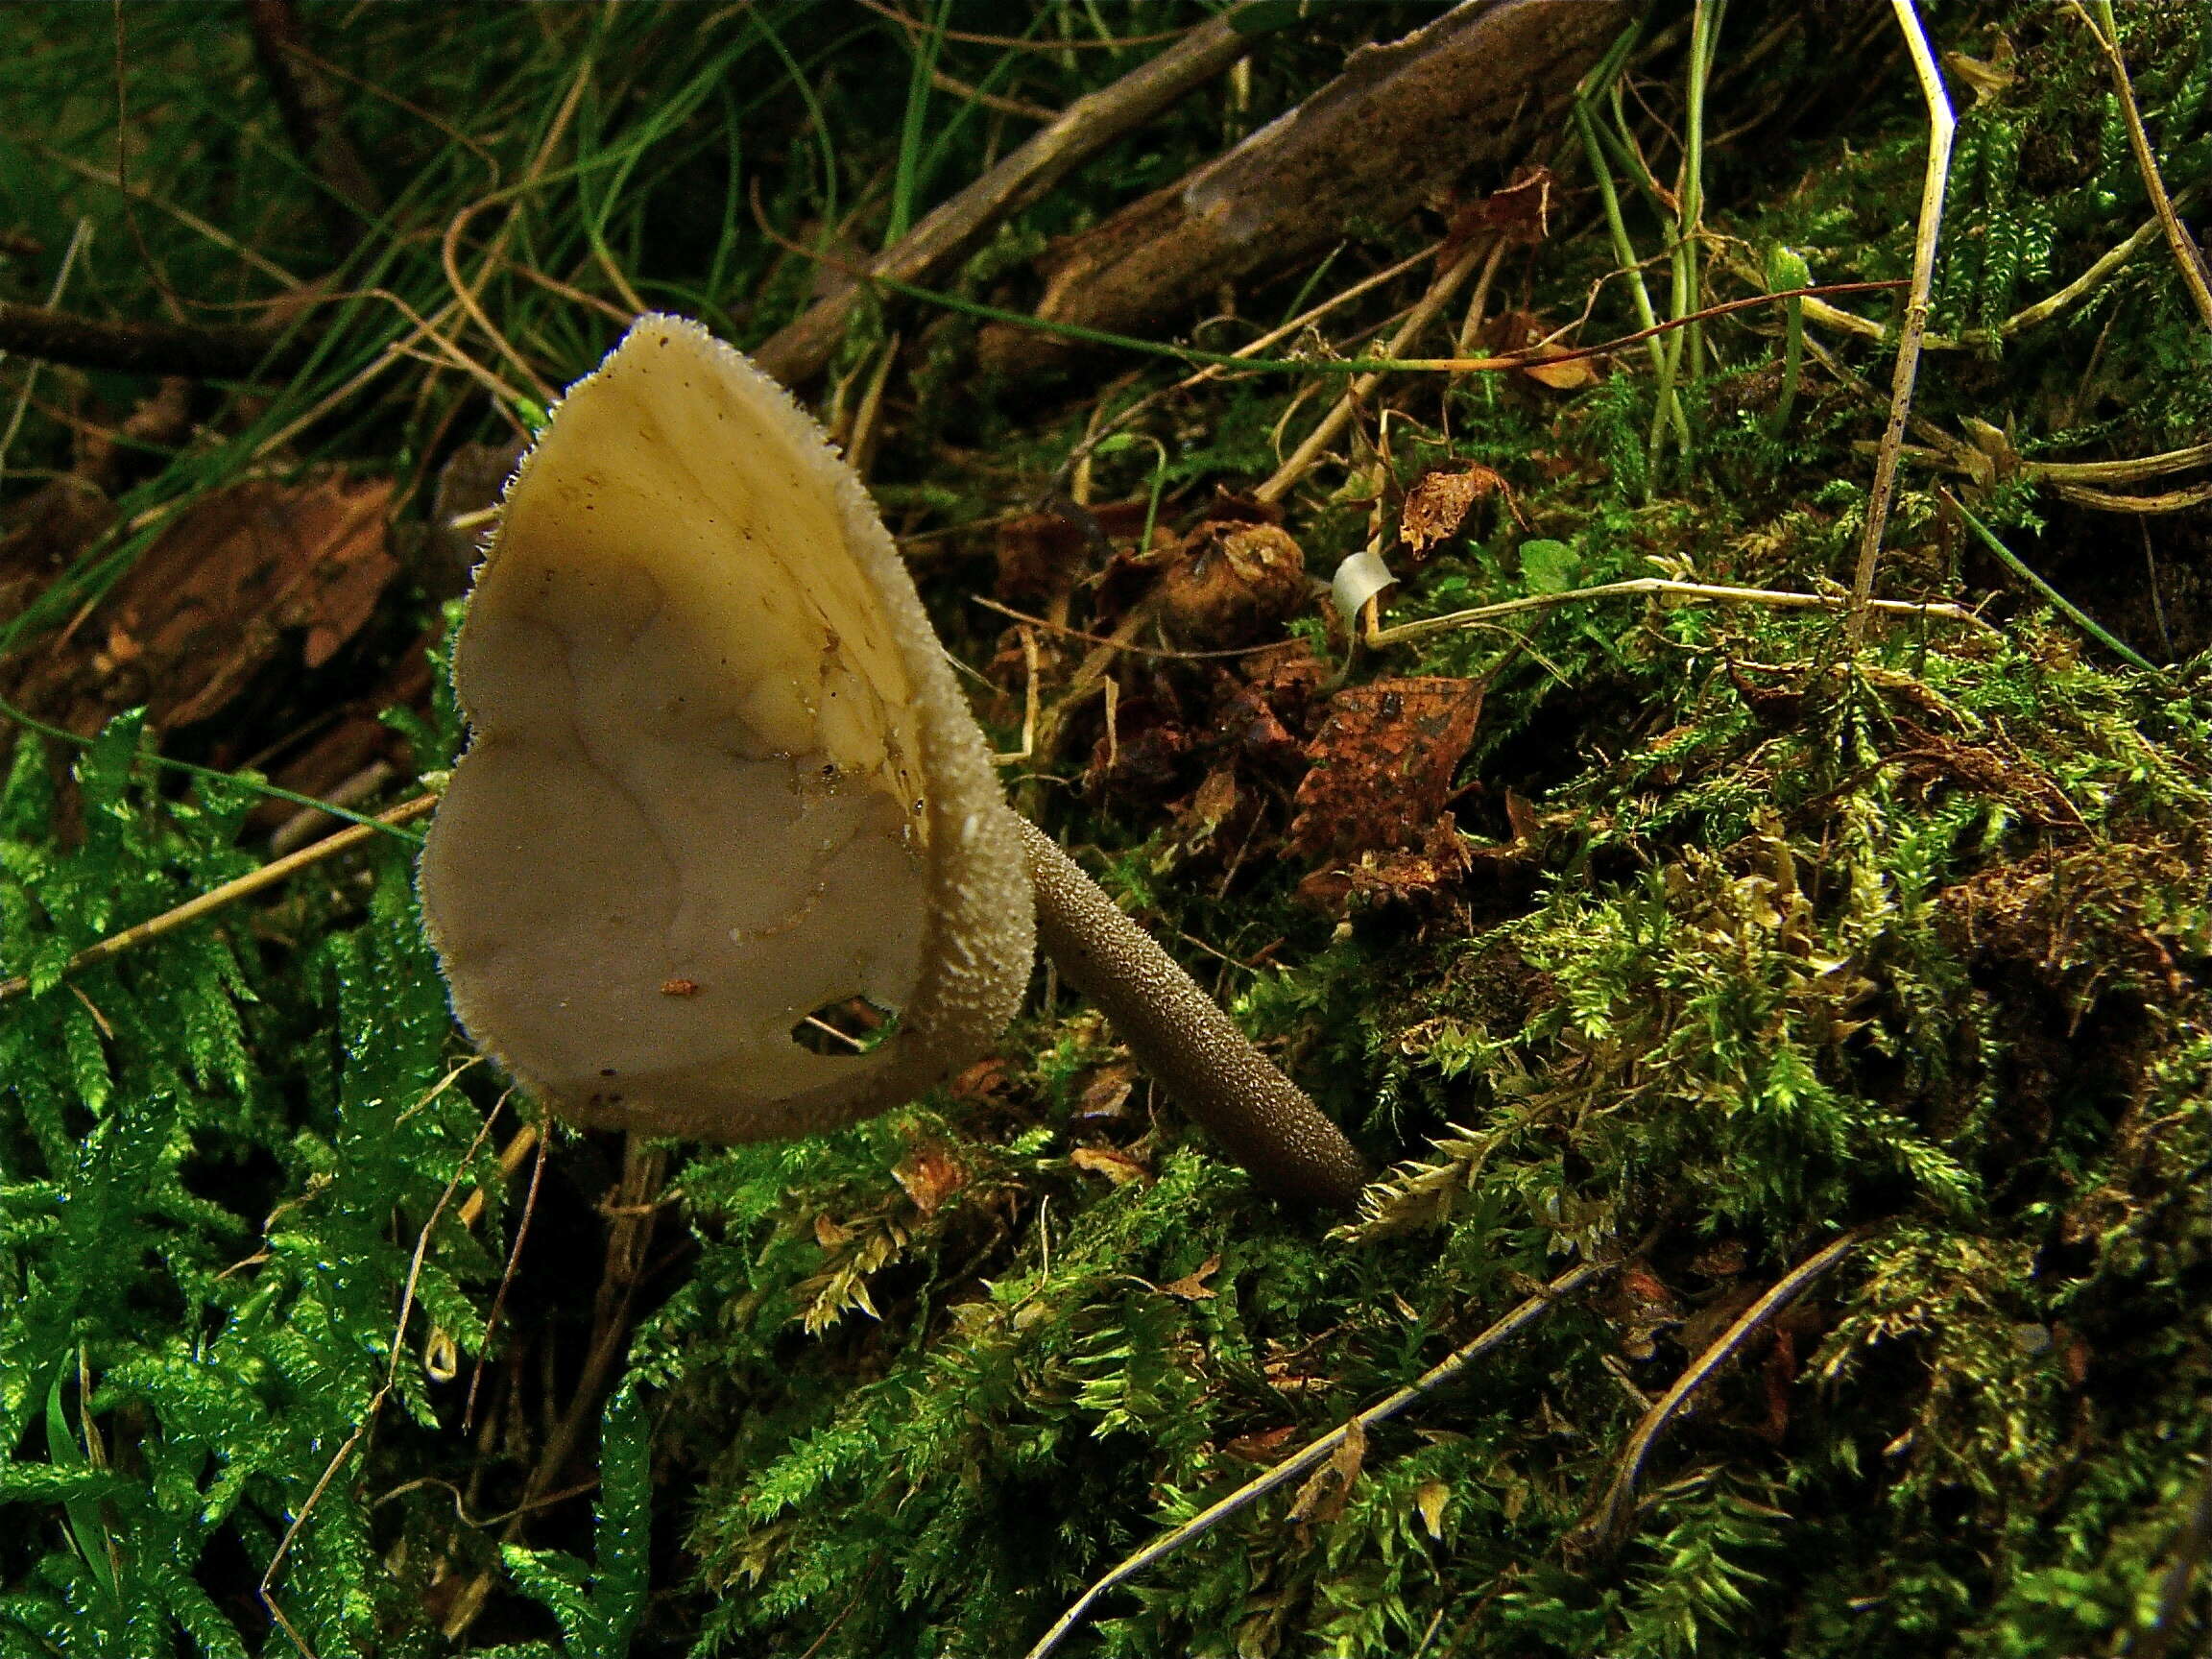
(721, 777)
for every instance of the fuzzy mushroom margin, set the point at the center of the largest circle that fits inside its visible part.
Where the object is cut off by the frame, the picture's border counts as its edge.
(721, 775)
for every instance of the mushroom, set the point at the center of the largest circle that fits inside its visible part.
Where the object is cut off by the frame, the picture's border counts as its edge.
(722, 780)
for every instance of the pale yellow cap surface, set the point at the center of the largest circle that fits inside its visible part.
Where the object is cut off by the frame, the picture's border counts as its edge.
(721, 775)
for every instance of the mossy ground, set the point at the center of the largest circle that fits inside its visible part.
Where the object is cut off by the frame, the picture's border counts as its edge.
(1753, 938)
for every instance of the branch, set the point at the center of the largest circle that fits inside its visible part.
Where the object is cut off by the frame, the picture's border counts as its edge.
(798, 351)
(1316, 1453)
(198, 353)
(1458, 94)
(1608, 1526)
(1941, 124)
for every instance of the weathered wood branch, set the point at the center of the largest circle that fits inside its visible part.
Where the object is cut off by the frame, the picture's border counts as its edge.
(196, 351)
(1401, 123)
(798, 351)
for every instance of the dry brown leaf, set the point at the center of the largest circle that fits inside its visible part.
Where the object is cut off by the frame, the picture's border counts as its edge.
(1105, 1097)
(1329, 1489)
(1430, 1500)
(982, 1081)
(1521, 210)
(216, 597)
(1522, 816)
(1191, 1287)
(1566, 375)
(929, 1177)
(1117, 1168)
(1421, 879)
(1383, 765)
(1440, 501)
(1260, 1446)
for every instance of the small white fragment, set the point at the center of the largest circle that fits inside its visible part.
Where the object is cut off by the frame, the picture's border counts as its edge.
(1359, 579)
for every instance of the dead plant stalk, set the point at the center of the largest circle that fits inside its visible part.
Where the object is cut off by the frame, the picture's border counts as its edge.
(1315, 1453)
(231, 891)
(1608, 1526)
(1332, 424)
(1941, 124)
(2104, 27)
(1710, 593)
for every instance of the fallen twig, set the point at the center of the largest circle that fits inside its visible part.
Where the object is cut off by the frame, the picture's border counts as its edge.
(1316, 1453)
(1608, 1525)
(2177, 238)
(1712, 591)
(1456, 95)
(1941, 124)
(201, 351)
(231, 891)
(798, 351)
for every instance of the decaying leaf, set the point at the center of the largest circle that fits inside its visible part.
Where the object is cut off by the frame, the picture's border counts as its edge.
(1430, 1500)
(1117, 1168)
(1566, 375)
(930, 1176)
(1139, 755)
(1440, 501)
(214, 599)
(1521, 210)
(1329, 1489)
(1378, 879)
(1382, 764)
(1105, 1097)
(1989, 78)
(1230, 584)
(1191, 1287)
(1260, 1446)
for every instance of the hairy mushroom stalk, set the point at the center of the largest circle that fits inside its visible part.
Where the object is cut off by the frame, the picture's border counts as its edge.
(722, 780)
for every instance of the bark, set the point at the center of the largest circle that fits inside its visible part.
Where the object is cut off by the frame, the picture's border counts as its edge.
(1402, 124)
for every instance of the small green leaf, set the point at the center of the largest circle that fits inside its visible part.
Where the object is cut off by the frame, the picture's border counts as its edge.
(1786, 269)
(1549, 566)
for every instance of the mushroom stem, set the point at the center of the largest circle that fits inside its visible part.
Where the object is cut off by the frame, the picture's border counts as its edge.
(1180, 1036)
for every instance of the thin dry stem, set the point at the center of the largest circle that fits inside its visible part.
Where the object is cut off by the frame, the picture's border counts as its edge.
(1080, 455)
(2185, 255)
(1332, 424)
(1710, 591)
(230, 892)
(1941, 124)
(1609, 1525)
(1317, 1451)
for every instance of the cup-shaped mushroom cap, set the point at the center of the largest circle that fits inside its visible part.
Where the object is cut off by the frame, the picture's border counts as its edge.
(721, 775)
